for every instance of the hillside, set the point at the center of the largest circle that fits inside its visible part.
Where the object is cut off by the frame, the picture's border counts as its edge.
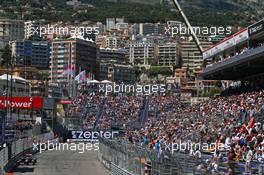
(199, 12)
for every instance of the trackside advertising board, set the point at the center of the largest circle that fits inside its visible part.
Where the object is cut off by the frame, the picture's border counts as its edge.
(256, 28)
(226, 44)
(21, 102)
(92, 135)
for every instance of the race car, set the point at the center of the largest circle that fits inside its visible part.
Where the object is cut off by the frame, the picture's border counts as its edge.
(27, 159)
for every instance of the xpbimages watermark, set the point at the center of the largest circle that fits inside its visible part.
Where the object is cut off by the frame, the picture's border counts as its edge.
(132, 88)
(55, 146)
(183, 146)
(205, 31)
(64, 31)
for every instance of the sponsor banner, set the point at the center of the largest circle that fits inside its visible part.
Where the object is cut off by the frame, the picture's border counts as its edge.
(21, 102)
(207, 54)
(65, 102)
(92, 135)
(227, 43)
(240, 37)
(256, 28)
(217, 49)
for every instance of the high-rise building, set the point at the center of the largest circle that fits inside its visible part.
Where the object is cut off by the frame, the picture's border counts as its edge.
(189, 54)
(114, 66)
(31, 53)
(141, 53)
(151, 28)
(120, 20)
(117, 72)
(10, 30)
(110, 23)
(121, 26)
(113, 55)
(167, 54)
(32, 28)
(101, 27)
(134, 29)
(70, 56)
(147, 29)
(111, 42)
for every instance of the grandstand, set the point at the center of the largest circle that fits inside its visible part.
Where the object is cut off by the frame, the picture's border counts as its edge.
(239, 57)
(152, 125)
(234, 119)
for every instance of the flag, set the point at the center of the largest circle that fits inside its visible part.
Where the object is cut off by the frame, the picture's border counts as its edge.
(88, 77)
(68, 70)
(81, 77)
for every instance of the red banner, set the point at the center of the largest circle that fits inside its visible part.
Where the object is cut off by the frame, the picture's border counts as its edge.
(21, 102)
(65, 102)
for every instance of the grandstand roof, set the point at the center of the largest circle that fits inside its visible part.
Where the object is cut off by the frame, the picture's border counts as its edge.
(246, 63)
(228, 43)
(5, 77)
(238, 67)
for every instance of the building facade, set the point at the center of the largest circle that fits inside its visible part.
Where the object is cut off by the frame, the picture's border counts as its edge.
(32, 29)
(141, 53)
(31, 53)
(167, 55)
(69, 57)
(10, 30)
(113, 55)
(190, 56)
(117, 72)
(110, 23)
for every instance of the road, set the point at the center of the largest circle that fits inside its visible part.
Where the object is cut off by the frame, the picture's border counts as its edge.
(64, 163)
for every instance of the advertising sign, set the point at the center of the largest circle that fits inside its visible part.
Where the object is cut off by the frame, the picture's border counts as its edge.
(256, 28)
(240, 37)
(226, 44)
(92, 135)
(21, 102)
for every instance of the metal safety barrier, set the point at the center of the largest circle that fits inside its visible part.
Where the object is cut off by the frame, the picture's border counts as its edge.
(123, 158)
(13, 151)
(3, 159)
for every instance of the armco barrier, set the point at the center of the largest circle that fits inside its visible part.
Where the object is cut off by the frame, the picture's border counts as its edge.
(3, 159)
(19, 148)
(113, 168)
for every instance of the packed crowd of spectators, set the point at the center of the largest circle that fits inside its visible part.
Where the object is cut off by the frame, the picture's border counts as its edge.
(117, 111)
(85, 107)
(121, 111)
(163, 105)
(234, 122)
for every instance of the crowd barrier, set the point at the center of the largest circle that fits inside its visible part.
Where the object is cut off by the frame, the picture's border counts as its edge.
(123, 158)
(10, 154)
(127, 159)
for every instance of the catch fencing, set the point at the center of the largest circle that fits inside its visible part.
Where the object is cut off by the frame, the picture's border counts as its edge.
(11, 152)
(123, 158)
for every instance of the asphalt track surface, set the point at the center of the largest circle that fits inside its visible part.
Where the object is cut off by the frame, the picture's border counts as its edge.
(64, 163)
